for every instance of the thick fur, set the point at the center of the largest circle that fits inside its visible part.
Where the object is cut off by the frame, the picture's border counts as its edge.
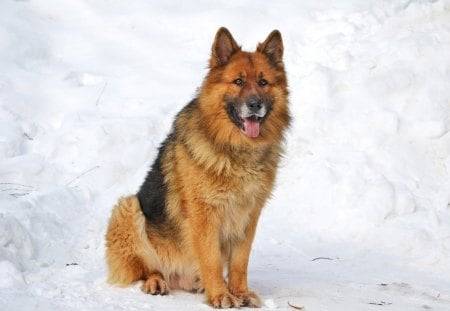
(197, 210)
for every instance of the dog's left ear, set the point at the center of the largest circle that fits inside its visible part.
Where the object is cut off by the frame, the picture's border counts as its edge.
(272, 47)
(223, 48)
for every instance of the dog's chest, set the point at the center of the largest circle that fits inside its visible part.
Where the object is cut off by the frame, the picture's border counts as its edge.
(234, 223)
(240, 189)
(236, 199)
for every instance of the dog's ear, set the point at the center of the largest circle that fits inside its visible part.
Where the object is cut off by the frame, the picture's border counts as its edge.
(272, 47)
(223, 48)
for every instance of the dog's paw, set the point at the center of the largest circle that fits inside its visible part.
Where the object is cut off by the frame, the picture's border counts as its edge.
(226, 300)
(248, 299)
(155, 285)
(198, 286)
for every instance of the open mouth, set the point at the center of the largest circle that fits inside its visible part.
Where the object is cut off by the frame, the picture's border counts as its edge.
(249, 125)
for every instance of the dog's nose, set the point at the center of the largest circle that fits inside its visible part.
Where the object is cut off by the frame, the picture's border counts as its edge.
(254, 104)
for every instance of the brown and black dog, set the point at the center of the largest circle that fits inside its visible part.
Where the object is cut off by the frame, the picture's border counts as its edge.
(199, 205)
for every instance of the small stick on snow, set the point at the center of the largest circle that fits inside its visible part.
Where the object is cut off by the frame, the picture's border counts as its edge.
(16, 190)
(324, 258)
(15, 184)
(82, 174)
(101, 93)
(295, 307)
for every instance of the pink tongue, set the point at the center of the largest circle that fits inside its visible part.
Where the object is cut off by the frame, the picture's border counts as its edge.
(251, 127)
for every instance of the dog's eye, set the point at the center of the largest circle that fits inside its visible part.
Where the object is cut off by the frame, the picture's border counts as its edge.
(239, 82)
(262, 82)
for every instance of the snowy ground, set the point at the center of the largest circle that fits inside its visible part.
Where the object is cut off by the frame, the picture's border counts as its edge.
(360, 219)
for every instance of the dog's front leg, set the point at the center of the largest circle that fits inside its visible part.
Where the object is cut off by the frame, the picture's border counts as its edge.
(206, 241)
(238, 263)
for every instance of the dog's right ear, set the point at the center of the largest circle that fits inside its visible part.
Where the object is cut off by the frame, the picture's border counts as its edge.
(223, 48)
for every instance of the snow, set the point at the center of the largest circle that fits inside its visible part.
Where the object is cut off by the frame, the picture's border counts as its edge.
(360, 217)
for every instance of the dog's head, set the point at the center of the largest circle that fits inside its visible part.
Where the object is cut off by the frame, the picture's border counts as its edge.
(245, 93)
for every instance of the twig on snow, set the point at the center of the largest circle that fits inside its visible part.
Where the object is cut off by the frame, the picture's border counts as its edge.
(16, 190)
(295, 307)
(381, 303)
(101, 93)
(82, 174)
(15, 184)
(322, 258)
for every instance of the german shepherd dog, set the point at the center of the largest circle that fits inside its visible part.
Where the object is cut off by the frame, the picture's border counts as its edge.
(198, 207)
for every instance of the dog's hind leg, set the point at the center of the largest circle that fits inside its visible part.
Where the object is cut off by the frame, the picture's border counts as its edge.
(124, 243)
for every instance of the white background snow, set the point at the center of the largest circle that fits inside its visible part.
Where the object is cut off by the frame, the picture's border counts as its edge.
(360, 218)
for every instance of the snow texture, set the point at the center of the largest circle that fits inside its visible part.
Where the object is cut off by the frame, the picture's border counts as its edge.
(360, 217)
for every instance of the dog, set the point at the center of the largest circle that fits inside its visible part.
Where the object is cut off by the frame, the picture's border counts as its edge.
(196, 212)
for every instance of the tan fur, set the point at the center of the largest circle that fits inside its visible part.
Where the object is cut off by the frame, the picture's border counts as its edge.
(218, 181)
